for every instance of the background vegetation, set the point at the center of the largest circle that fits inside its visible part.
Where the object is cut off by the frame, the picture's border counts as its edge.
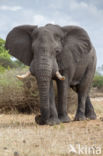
(6, 61)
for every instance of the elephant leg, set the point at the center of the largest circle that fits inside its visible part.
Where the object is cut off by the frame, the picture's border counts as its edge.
(83, 90)
(80, 114)
(53, 110)
(89, 110)
(62, 100)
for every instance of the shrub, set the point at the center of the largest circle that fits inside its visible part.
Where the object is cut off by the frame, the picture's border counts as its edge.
(23, 96)
(2, 69)
(98, 81)
(5, 62)
(5, 58)
(3, 52)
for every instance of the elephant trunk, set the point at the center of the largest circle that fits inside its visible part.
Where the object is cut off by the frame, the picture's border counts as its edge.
(43, 81)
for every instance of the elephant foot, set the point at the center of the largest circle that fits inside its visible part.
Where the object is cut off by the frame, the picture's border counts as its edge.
(39, 120)
(80, 117)
(53, 121)
(91, 115)
(64, 119)
(50, 121)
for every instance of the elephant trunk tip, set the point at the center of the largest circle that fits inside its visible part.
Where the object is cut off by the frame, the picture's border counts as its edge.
(59, 76)
(21, 77)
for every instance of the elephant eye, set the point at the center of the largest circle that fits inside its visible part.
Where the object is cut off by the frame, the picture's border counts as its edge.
(57, 38)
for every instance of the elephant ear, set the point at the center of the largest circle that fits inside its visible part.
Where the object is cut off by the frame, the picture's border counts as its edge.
(76, 46)
(19, 43)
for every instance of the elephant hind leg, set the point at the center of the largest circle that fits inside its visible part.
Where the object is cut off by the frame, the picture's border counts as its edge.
(84, 104)
(89, 110)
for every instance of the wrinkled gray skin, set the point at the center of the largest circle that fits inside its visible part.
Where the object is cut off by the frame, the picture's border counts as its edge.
(49, 49)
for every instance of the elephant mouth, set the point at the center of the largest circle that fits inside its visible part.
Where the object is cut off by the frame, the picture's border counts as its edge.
(27, 74)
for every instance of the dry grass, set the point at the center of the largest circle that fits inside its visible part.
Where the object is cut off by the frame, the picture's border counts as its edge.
(98, 105)
(19, 133)
(16, 95)
(23, 96)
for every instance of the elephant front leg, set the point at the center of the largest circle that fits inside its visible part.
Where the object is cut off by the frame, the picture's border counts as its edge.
(43, 87)
(62, 100)
(53, 110)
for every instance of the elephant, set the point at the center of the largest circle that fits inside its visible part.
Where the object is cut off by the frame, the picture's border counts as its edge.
(61, 53)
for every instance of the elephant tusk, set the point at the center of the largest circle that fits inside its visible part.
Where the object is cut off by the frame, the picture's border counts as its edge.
(21, 77)
(59, 76)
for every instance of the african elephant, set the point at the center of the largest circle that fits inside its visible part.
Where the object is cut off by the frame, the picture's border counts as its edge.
(52, 51)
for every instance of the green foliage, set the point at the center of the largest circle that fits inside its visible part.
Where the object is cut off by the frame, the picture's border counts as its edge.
(8, 78)
(19, 64)
(3, 52)
(6, 61)
(2, 69)
(98, 81)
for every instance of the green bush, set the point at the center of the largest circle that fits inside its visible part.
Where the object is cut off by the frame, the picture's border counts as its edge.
(98, 81)
(8, 77)
(2, 69)
(6, 60)
(3, 52)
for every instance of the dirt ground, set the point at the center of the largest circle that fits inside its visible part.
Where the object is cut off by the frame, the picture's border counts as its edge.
(21, 136)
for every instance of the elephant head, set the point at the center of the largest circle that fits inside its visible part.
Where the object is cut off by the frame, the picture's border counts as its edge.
(37, 47)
